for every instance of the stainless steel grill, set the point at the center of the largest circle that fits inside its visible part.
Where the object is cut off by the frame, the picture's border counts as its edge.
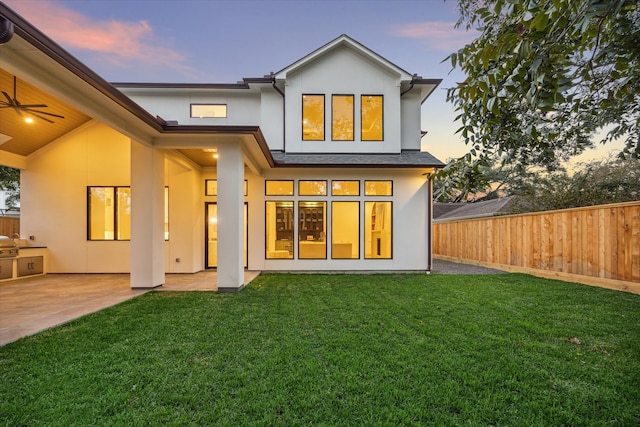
(8, 248)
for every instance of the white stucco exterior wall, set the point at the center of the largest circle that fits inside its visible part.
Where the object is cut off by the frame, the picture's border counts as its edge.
(343, 71)
(410, 116)
(183, 250)
(243, 105)
(58, 176)
(272, 122)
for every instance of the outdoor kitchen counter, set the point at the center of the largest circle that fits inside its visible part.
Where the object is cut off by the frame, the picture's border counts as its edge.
(31, 261)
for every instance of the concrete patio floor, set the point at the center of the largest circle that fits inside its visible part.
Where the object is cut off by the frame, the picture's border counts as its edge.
(34, 304)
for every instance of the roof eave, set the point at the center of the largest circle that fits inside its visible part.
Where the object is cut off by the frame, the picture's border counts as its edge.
(244, 84)
(428, 86)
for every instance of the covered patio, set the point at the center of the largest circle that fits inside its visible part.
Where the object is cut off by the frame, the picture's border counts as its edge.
(31, 305)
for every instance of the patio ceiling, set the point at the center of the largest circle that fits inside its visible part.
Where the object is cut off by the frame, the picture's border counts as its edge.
(23, 139)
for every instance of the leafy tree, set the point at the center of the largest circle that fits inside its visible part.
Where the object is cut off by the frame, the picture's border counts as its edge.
(460, 181)
(10, 182)
(545, 76)
(595, 183)
(599, 182)
(483, 178)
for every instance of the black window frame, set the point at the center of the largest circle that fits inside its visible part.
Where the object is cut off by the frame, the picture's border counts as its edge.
(324, 117)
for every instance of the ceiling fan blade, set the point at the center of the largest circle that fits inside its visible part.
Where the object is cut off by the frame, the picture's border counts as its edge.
(33, 105)
(43, 112)
(34, 113)
(8, 97)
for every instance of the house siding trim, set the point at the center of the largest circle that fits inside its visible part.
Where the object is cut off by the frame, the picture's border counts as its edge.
(405, 159)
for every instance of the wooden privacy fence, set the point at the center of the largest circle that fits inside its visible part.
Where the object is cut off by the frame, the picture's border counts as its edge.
(9, 225)
(596, 245)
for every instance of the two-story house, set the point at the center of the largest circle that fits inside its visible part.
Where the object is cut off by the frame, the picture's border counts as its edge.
(316, 167)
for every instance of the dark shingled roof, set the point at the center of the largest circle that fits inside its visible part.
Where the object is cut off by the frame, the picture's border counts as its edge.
(457, 211)
(404, 159)
(440, 209)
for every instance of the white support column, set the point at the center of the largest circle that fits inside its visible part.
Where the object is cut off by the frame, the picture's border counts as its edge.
(147, 217)
(430, 222)
(230, 175)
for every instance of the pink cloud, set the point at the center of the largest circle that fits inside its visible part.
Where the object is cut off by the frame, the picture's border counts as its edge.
(118, 42)
(436, 35)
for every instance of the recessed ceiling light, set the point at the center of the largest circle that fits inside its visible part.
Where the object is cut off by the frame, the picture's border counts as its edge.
(28, 120)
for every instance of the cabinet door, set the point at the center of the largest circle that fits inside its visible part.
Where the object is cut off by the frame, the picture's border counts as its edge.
(29, 266)
(6, 268)
(37, 265)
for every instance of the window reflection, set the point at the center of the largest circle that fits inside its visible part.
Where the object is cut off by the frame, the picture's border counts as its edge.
(371, 117)
(342, 117)
(313, 117)
(312, 188)
(378, 188)
(345, 188)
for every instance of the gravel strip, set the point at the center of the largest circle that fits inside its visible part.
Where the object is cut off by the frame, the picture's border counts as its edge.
(446, 267)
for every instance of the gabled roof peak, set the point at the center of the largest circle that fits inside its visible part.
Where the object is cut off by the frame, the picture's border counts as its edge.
(344, 40)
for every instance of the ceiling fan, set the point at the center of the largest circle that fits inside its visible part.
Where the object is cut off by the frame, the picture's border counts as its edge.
(27, 108)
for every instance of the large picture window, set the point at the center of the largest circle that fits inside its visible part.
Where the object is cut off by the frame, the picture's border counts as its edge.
(312, 230)
(279, 230)
(371, 115)
(354, 227)
(342, 117)
(377, 229)
(109, 213)
(313, 117)
(345, 230)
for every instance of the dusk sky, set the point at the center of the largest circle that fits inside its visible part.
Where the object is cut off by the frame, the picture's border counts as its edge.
(220, 41)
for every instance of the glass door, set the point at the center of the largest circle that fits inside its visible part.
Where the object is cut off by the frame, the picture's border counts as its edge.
(211, 235)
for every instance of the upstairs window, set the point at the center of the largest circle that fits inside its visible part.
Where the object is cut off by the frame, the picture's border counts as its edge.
(371, 115)
(313, 117)
(342, 117)
(202, 111)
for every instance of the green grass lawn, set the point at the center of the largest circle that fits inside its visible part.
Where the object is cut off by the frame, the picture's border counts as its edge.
(339, 350)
